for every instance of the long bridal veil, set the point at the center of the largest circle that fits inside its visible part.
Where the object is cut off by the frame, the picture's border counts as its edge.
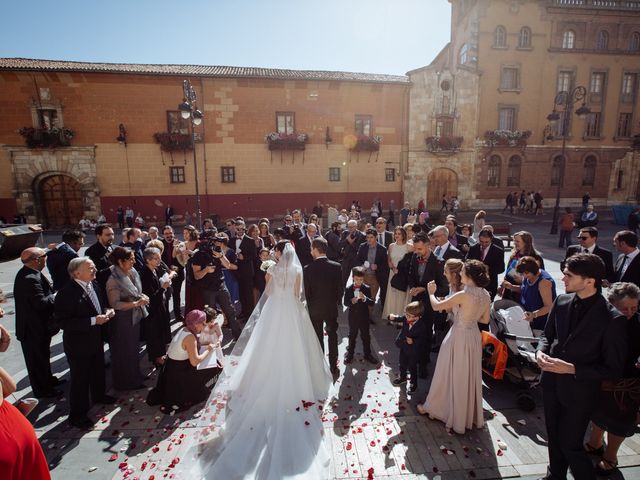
(264, 416)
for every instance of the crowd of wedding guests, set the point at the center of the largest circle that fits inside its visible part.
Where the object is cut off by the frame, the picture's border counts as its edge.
(428, 280)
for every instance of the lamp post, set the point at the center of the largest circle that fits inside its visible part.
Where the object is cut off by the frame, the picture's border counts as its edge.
(566, 101)
(189, 110)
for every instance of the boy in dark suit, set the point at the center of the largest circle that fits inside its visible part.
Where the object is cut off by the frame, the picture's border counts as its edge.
(410, 341)
(357, 299)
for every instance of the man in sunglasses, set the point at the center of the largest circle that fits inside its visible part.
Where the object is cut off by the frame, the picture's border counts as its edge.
(588, 238)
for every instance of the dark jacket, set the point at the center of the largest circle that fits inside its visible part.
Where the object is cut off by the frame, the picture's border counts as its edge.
(100, 256)
(382, 263)
(349, 251)
(494, 260)
(303, 250)
(452, 252)
(57, 263)
(358, 310)
(34, 297)
(323, 288)
(603, 253)
(432, 271)
(418, 333)
(597, 347)
(631, 274)
(333, 245)
(249, 252)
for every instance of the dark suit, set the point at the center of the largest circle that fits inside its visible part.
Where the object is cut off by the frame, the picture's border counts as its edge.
(82, 345)
(494, 260)
(34, 298)
(349, 252)
(596, 346)
(303, 250)
(333, 245)
(100, 256)
(388, 238)
(460, 240)
(359, 318)
(631, 274)
(433, 271)
(246, 272)
(168, 214)
(382, 267)
(323, 291)
(57, 263)
(452, 252)
(603, 253)
(410, 354)
(176, 283)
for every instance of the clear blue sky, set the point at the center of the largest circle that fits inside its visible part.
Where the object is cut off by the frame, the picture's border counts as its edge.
(377, 36)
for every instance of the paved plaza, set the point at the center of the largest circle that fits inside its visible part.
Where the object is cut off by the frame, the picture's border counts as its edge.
(373, 427)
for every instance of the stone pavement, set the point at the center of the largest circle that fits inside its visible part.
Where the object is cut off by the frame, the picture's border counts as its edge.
(371, 425)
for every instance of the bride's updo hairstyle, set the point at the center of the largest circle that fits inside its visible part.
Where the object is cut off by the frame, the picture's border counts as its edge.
(478, 272)
(280, 245)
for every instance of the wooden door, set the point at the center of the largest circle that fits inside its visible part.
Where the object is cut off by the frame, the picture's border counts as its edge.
(441, 181)
(61, 199)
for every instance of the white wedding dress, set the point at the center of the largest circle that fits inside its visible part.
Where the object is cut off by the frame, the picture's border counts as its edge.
(263, 419)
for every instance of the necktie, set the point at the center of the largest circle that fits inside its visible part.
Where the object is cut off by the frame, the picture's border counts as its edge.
(381, 239)
(438, 252)
(585, 250)
(484, 253)
(94, 298)
(623, 267)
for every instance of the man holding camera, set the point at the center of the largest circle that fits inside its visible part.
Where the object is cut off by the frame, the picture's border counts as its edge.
(350, 241)
(207, 264)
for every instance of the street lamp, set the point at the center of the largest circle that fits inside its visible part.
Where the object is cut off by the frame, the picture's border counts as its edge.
(189, 109)
(566, 101)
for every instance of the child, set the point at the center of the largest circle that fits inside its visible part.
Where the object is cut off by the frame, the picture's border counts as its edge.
(357, 299)
(212, 333)
(410, 341)
(259, 279)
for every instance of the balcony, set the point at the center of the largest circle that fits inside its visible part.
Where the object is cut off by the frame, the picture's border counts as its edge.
(286, 141)
(173, 142)
(507, 138)
(597, 4)
(443, 144)
(46, 137)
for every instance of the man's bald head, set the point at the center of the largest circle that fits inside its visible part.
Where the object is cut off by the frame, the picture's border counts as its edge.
(33, 257)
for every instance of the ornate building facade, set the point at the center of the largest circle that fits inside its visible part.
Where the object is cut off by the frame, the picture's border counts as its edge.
(478, 124)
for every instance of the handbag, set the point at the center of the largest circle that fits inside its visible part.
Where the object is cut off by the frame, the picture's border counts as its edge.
(400, 280)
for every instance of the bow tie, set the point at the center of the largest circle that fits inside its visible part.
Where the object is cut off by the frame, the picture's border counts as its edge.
(422, 260)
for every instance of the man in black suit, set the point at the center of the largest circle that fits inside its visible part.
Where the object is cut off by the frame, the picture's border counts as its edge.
(587, 239)
(99, 252)
(627, 268)
(59, 258)
(168, 215)
(169, 257)
(373, 257)
(423, 268)
(491, 255)
(583, 344)
(323, 291)
(455, 238)
(350, 242)
(444, 250)
(35, 325)
(333, 240)
(247, 253)
(385, 238)
(80, 312)
(303, 245)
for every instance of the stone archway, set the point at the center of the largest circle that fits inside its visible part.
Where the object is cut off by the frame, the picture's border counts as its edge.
(441, 181)
(74, 169)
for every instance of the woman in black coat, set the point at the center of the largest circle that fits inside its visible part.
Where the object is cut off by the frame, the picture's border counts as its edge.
(156, 330)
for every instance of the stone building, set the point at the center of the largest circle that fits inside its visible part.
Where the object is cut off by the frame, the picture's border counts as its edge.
(478, 124)
(88, 140)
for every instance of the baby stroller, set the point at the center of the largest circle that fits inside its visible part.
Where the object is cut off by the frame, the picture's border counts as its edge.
(521, 368)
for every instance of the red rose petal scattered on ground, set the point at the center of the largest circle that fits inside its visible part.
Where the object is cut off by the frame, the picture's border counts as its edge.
(435, 469)
(389, 432)
(370, 474)
(499, 453)
(155, 449)
(349, 446)
(373, 444)
(104, 420)
(403, 467)
(113, 457)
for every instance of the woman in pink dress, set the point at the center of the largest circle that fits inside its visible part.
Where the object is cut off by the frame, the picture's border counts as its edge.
(455, 395)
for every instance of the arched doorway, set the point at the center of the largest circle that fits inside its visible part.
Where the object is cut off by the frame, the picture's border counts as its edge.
(61, 201)
(441, 181)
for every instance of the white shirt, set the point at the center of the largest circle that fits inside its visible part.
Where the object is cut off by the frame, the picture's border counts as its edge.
(86, 286)
(629, 258)
(588, 250)
(443, 248)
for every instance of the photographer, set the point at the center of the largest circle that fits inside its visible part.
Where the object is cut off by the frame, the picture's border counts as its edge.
(292, 231)
(333, 240)
(350, 241)
(207, 265)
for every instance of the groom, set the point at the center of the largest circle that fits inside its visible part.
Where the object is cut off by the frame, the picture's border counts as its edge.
(323, 290)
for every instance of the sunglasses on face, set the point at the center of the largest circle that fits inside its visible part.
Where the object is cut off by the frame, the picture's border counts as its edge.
(583, 238)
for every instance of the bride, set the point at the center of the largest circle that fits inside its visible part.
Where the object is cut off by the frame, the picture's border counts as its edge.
(263, 418)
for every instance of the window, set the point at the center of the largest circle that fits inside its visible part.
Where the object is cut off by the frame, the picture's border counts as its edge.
(624, 125)
(593, 124)
(634, 42)
(48, 118)
(444, 126)
(464, 54)
(589, 175)
(334, 174)
(597, 86)
(176, 174)
(628, 87)
(620, 180)
(285, 122)
(524, 39)
(510, 78)
(602, 40)
(228, 174)
(363, 125)
(565, 81)
(513, 171)
(568, 39)
(493, 171)
(389, 174)
(446, 104)
(507, 118)
(557, 171)
(176, 124)
(500, 37)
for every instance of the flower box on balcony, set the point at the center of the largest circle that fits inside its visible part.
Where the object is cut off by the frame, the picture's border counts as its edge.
(365, 143)
(507, 138)
(46, 137)
(286, 141)
(443, 144)
(173, 142)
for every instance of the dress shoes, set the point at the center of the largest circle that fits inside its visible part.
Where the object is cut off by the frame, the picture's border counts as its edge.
(413, 387)
(335, 370)
(107, 400)
(81, 423)
(348, 358)
(53, 393)
(399, 381)
(371, 358)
